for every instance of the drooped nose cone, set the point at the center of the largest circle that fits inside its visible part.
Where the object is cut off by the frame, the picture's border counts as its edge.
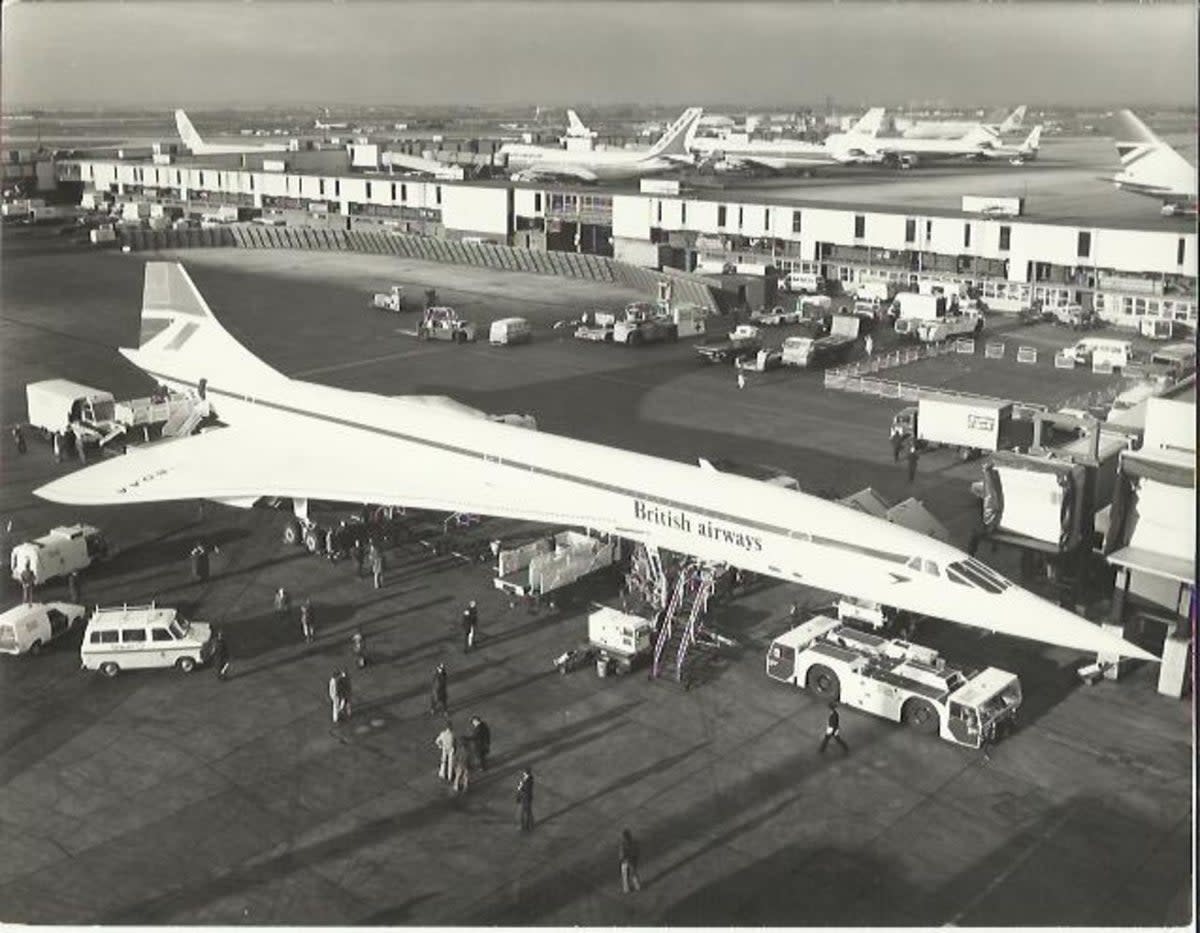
(1024, 615)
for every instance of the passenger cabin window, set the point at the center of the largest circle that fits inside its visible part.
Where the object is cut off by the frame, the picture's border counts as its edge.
(160, 634)
(133, 634)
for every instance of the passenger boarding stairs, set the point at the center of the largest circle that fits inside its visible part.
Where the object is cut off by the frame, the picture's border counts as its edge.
(682, 618)
(184, 421)
(646, 582)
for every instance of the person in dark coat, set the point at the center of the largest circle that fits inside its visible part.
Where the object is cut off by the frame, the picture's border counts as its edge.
(28, 582)
(897, 439)
(377, 567)
(438, 702)
(19, 438)
(525, 800)
(629, 854)
(481, 741)
(283, 604)
(73, 592)
(356, 552)
(220, 656)
(470, 619)
(912, 461)
(307, 620)
(199, 561)
(833, 730)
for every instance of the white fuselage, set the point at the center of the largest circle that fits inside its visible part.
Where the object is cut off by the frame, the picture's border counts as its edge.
(781, 153)
(603, 164)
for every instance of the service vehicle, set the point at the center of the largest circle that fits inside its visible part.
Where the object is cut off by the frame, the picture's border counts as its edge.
(1109, 349)
(59, 553)
(877, 292)
(806, 282)
(776, 317)
(761, 362)
(391, 300)
(1156, 328)
(441, 323)
(1178, 359)
(813, 352)
(178, 413)
(909, 309)
(28, 629)
(596, 326)
(508, 331)
(1069, 315)
(743, 340)
(544, 565)
(644, 323)
(133, 637)
(897, 680)
(814, 305)
(965, 322)
(970, 424)
(620, 640)
(59, 406)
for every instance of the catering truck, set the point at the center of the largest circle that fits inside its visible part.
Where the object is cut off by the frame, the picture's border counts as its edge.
(967, 322)
(897, 680)
(968, 423)
(909, 309)
(743, 340)
(814, 352)
(59, 553)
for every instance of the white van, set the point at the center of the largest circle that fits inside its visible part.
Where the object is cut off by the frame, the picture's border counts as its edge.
(808, 283)
(509, 330)
(134, 637)
(59, 553)
(1105, 349)
(30, 628)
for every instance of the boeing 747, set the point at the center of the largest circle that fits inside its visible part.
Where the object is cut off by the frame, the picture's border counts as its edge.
(1151, 167)
(198, 146)
(292, 439)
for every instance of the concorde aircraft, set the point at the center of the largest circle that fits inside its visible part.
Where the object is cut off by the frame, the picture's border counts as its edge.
(736, 150)
(198, 146)
(291, 439)
(669, 153)
(1151, 167)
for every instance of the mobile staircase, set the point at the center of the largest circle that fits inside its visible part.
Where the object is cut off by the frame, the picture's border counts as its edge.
(681, 622)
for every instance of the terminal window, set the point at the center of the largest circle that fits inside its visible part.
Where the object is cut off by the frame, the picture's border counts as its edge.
(437, 194)
(1084, 247)
(660, 211)
(910, 231)
(320, 186)
(683, 213)
(403, 192)
(966, 236)
(796, 222)
(1005, 236)
(767, 219)
(860, 226)
(721, 215)
(537, 202)
(928, 230)
(740, 218)
(1179, 251)
(368, 189)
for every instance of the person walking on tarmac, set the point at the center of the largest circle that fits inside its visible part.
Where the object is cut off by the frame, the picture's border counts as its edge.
(56, 440)
(377, 566)
(19, 438)
(629, 855)
(358, 647)
(896, 437)
(283, 602)
(346, 693)
(470, 619)
(445, 744)
(307, 622)
(28, 582)
(220, 656)
(869, 345)
(73, 591)
(833, 730)
(912, 460)
(525, 800)
(335, 696)
(200, 564)
(481, 741)
(438, 703)
(356, 552)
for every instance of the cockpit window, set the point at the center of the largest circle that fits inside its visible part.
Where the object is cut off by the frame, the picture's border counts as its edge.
(972, 573)
(921, 565)
(914, 563)
(931, 567)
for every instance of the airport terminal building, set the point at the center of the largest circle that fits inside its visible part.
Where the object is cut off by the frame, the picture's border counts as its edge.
(1127, 273)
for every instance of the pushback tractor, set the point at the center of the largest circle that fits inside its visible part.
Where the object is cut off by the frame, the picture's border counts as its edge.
(897, 680)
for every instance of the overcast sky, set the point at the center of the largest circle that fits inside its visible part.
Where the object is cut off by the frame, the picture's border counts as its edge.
(163, 54)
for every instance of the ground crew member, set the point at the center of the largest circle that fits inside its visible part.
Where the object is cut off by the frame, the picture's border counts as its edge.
(377, 566)
(629, 854)
(897, 439)
(912, 460)
(438, 702)
(330, 545)
(306, 620)
(283, 603)
(470, 619)
(57, 440)
(445, 743)
(19, 437)
(833, 730)
(460, 778)
(525, 800)
(220, 656)
(335, 697)
(346, 693)
(741, 379)
(73, 587)
(356, 551)
(481, 741)
(199, 561)
(358, 647)
(80, 449)
(28, 581)
(869, 345)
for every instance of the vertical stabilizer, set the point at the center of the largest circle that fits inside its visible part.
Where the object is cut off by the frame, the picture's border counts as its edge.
(1013, 121)
(674, 142)
(187, 132)
(869, 124)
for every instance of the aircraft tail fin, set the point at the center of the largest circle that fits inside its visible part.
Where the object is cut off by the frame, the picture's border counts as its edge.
(181, 341)
(1033, 140)
(1133, 134)
(869, 124)
(1013, 120)
(187, 132)
(575, 126)
(674, 142)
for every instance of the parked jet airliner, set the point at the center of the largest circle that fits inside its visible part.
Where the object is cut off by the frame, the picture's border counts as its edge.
(670, 152)
(1151, 167)
(293, 439)
(735, 150)
(997, 123)
(198, 146)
